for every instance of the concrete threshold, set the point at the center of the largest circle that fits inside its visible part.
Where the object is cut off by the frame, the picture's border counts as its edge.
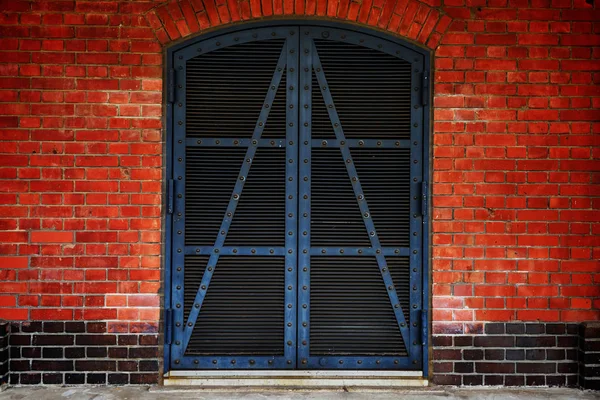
(295, 379)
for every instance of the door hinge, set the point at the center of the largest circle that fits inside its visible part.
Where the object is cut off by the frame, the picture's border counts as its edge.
(170, 195)
(425, 88)
(424, 204)
(424, 326)
(168, 325)
(171, 85)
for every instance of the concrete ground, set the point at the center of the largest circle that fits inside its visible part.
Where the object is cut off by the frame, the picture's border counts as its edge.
(159, 393)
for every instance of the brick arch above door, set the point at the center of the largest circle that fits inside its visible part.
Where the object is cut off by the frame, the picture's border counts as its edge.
(418, 21)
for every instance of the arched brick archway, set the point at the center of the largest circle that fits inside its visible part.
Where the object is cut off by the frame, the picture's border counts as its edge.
(419, 21)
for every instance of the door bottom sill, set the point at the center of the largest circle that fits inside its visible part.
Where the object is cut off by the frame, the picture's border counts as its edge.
(295, 379)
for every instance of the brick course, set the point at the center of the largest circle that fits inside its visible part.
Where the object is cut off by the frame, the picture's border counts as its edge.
(516, 233)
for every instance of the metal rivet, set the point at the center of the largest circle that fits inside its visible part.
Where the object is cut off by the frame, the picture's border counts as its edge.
(303, 361)
(197, 305)
(233, 361)
(214, 361)
(289, 306)
(289, 342)
(414, 306)
(289, 361)
(323, 251)
(218, 43)
(289, 324)
(415, 251)
(378, 362)
(396, 305)
(179, 122)
(415, 125)
(196, 362)
(360, 251)
(177, 361)
(179, 250)
(304, 324)
(178, 268)
(252, 362)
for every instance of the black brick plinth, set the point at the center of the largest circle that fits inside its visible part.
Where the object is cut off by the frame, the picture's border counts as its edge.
(77, 353)
(589, 355)
(4, 332)
(509, 354)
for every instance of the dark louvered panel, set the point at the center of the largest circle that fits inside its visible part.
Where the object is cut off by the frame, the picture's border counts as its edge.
(210, 176)
(321, 127)
(226, 89)
(260, 215)
(371, 90)
(350, 310)
(243, 311)
(335, 216)
(193, 273)
(400, 271)
(385, 179)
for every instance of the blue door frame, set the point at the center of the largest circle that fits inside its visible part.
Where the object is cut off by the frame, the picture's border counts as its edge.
(297, 250)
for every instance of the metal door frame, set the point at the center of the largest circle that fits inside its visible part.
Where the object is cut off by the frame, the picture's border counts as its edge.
(425, 161)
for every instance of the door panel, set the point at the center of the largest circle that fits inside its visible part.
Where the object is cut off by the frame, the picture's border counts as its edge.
(297, 177)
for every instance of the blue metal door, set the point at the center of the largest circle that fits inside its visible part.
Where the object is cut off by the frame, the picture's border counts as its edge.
(296, 201)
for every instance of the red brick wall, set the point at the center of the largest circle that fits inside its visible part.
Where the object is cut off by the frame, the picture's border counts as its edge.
(516, 193)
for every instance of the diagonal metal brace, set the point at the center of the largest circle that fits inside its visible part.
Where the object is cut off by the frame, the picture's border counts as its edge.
(358, 192)
(235, 197)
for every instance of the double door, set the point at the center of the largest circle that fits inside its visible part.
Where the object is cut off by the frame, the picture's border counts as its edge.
(296, 202)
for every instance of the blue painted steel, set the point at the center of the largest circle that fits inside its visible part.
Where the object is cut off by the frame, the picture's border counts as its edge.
(235, 196)
(366, 143)
(291, 202)
(299, 207)
(358, 192)
(229, 142)
(236, 251)
(415, 348)
(304, 179)
(358, 251)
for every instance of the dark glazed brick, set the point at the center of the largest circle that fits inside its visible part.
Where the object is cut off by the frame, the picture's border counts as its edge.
(75, 352)
(97, 352)
(96, 379)
(494, 341)
(74, 327)
(494, 354)
(536, 368)
(556, 380)
(515, 328)
(555, 354)
(127, 366)
(495, 368)
(148, 365)
(19, 365)
(30, 379)
(143, 379)
(117, 352)
(536, 341)
(571, 368)
(494, 329)
(31, 327)
(54, 365)
(514, 380)
(53, 352)
(535, 354)
(555, 329)
(53, 340)
(472, 354)
(128, 340)
(52, 379)
(81, 365)
(441, 341)
(535, 329)
(493, 380)
(443, 367)
(473, 380)
(535, 380)
(54, 327)
(572, 329)
(30, 352)
(443, 379)
(143, 352)
(19, 340)
(463, 367)
(567, 341)
(74, 379)
(463, 341)
(513, 354)
(96, 327)
(149, 340)
(96, 340)
(447, 354)
(118, 379)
